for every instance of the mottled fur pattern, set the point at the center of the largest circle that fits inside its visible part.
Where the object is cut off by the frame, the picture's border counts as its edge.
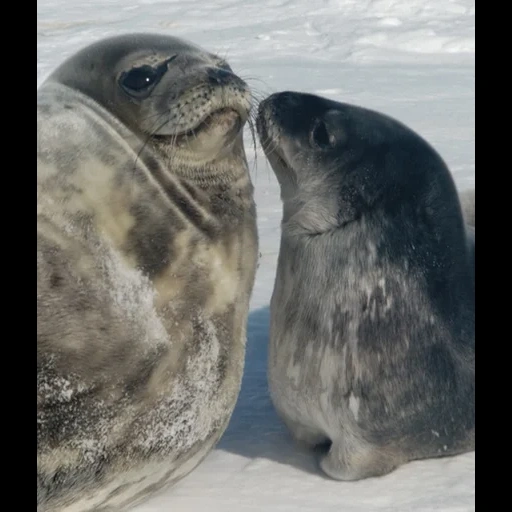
(372, 315)
(146, 262)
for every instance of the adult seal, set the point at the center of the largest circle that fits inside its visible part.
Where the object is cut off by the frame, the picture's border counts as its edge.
(372, 340)
(146, 257)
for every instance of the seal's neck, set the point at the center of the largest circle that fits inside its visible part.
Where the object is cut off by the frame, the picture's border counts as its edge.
(215, 175)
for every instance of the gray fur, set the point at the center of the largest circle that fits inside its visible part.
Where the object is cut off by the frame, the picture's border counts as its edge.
(372, 315)
(467, 199)
(146, 256)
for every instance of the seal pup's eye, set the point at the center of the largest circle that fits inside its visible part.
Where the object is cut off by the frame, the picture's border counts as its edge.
(320, 136)
(139, 82)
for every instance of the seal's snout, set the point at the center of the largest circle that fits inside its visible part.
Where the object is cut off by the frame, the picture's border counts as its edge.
(262, 119)
(279, 101)
(230, 89)
(287, 109)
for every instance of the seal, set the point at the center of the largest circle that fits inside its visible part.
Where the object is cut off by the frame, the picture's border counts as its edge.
(467, 199)
(146, 258)
(371, 351)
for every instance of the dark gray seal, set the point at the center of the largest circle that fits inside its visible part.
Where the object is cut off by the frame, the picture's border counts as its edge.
(372, 337)
(146, 257)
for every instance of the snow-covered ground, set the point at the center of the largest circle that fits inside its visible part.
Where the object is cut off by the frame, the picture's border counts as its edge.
(412, 59)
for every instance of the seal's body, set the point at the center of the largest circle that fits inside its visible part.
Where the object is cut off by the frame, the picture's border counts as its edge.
(147, 250)
(372, 315)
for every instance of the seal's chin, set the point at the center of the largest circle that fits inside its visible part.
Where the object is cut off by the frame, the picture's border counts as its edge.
(277, 159)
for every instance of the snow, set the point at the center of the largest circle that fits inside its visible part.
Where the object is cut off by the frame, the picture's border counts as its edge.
(412, 59)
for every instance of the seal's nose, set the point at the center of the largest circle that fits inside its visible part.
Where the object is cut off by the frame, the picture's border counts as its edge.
(218, 76)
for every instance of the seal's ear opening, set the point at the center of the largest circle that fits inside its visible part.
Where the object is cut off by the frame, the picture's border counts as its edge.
(328, 131)
(320, 137)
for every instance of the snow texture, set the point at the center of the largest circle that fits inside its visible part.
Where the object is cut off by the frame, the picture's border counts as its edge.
(411, 59)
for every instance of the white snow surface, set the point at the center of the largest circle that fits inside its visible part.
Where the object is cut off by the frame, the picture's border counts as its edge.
(411, 59)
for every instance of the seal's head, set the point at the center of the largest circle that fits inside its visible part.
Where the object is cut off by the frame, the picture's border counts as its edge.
(181, 99)
(337, 163)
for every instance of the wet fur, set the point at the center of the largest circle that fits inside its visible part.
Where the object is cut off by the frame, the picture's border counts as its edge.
(146, 264)
(372, 338)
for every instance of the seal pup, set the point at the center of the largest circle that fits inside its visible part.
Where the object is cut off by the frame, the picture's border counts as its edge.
(372, 315)
(146, 257)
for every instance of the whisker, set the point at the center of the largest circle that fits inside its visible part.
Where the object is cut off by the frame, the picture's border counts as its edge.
(225, 54)
(143, 147)
(151, 135)
(252, 129)
(154, 115)
(172, 150)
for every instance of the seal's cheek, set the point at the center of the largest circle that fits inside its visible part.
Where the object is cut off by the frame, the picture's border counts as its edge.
(294, 151)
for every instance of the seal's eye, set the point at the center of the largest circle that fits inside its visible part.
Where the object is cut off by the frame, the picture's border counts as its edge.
(320, 137)
(139, 82)
(139, 78)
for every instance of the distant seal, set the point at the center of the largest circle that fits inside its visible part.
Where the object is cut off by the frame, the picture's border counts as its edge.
(372, 339)
(146, 257)
(467, 199)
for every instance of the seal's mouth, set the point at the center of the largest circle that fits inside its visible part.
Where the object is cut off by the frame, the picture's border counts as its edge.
(269, 140)
(227, 119)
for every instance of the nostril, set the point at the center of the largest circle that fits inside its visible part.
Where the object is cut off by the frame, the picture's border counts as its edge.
(223, 74)
(218, 76)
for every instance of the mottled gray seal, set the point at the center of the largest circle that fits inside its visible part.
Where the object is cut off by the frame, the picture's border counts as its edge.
(372, 314)
(146, 256)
